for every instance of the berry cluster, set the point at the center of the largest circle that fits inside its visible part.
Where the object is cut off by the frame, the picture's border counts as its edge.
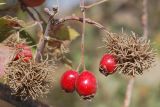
(84, 83)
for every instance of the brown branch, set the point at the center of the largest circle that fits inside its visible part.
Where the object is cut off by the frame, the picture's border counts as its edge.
(45, 38)
(40, 17)
(42, 43)
(25, 8)
(129, 92)
(5, 94)
(80, 19)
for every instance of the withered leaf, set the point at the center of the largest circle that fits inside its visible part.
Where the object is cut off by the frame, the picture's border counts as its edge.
(6, 55)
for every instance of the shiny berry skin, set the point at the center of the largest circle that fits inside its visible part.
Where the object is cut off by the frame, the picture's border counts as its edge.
(33, 3)
(68, 80)
(107, 64)
(24, 52)
(86, 85)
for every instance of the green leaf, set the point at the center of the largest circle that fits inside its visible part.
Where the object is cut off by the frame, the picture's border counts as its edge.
(66, 33)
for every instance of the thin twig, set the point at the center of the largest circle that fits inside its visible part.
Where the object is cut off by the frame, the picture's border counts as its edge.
(95, 4)
(145, 19)
(80, 19)
(42, 43)
(129, 92)
(45, 38)
(40, 17)
(24, 8)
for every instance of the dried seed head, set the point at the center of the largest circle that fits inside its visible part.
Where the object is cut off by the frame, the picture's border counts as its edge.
(20, 45)
(29, 80)
(134, 55)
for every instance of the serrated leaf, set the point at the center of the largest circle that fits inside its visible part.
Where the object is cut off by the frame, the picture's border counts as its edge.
(63, 32)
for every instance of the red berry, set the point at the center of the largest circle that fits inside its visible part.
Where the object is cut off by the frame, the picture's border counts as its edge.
(24, 52)
(86, 85)
(107, 64)
(33, 3)
(68, 80)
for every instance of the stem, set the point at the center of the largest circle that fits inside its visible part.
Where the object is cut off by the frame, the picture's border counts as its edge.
(40, 17)
(83, 33)
(80, 19)
(145, 19)
(129, 92)
(24, 7)
(42, 43)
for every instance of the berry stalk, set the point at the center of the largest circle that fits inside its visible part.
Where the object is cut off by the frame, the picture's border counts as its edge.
(82, 61)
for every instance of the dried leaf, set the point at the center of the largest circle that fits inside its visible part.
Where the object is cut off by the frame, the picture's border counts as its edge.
(6, 55)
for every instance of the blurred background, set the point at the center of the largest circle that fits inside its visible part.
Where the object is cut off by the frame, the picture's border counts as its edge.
(115, 15)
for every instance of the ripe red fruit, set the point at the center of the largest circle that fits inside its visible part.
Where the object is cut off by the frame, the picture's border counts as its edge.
(25, 52)
(33, 3)
(68, 80)
(107, 64)
(86, 85)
